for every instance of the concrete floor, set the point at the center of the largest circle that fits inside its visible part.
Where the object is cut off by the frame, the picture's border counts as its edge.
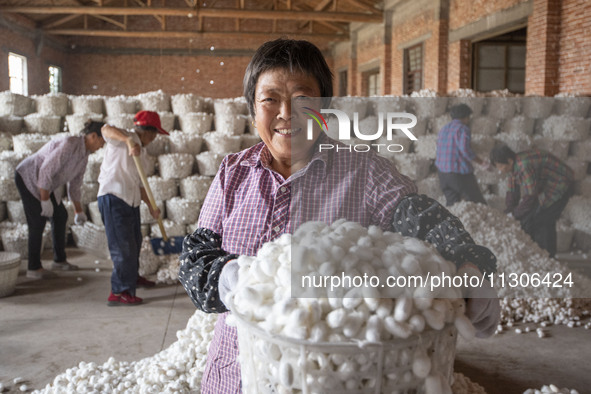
(51, 325)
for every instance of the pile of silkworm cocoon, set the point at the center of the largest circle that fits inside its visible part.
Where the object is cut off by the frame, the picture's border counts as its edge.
(550, 389)
(176, 369)
(516, 252)
(263, 296)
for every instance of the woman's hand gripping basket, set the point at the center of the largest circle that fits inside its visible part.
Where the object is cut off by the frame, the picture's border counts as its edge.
(295, 338)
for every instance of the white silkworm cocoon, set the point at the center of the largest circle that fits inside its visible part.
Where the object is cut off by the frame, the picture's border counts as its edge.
(410, 265)
(352, 299)
(250, 295)
(319, 332)
(353, 324)
(372, 303)
(385, 308)
(423, 303)
(373, 329)
(403, 309)
(286, 374)
(417, 323)
(434, 318)
(465, 327)
(336, 318)
(446, 308)
(421, 365)
(398, 329)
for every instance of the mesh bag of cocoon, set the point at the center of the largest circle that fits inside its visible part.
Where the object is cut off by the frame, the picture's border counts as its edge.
(438, 122)
(175, 165)
(503, 107)
(558, 148)
(162, 188)
(537, 107)
(172, 229)
(88, 192)
(218, 142)
(122, 121)
(234, 124)
(248, 140)
(159, 146)
(385, 104)
(5, 142)
(519, 125)
(429, 106)
(52, 104)
(24, 143)
(149, 261)
(120, 105)
(225, 107)
(580, 149)
(482, 145)
(196, 122)
(87, 104)
(334, 342)
(349, 105)
(572, 106)
(579, 168)
(484, 125)
(8, 190)
(517, 143)
(15, 238)
(145, 215)
(186, 103)
(181, 210)
(167, 120)
(44, 124)
(209, 163)
(156, 101)
(11, 124)
(95, 213)
(150, 165)
(8, 162)
(181, 142)
(93, 168)
(241, 105)
(15, 104)
(566, 128)
(16, 212)
(75, 122)
(195, 187)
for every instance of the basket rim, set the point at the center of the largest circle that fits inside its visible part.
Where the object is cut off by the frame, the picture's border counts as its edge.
(9, 259)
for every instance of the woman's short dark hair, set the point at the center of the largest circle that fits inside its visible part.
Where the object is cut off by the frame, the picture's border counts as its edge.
(292, 55)
(501, 154)
(92, 126)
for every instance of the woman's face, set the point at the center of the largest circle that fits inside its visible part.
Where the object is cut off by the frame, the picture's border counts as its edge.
(282, 132)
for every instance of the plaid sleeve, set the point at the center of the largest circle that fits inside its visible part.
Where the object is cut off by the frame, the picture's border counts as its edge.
(528, 180)
(422, 217)
(464, 140)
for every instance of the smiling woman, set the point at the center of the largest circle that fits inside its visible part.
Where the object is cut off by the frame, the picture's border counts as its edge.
(275, 186)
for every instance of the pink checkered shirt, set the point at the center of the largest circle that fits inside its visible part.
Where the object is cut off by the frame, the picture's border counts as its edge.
(249, 204)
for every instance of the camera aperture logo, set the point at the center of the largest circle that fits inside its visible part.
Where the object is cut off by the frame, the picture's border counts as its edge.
(393, 123)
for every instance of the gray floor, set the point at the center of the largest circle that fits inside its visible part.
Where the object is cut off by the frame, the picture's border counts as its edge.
(49, 326)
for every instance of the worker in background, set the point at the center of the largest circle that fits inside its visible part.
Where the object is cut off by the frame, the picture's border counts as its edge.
(547, 184)
(119, 197)
(39, 179)
(455, 157)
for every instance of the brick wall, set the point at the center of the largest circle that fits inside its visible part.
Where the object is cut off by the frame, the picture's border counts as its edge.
(14, 37)
(574, 66)
(464, 12)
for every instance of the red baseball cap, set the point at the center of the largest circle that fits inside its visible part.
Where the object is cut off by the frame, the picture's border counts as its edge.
(149, 118)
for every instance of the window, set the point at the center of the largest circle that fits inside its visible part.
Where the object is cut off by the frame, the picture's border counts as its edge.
(55, 79)
(343, 83)
(499, 63)
(413, 68)
(371, 80)
(17, 73)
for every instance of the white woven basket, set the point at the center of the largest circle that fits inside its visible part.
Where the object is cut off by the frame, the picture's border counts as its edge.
(275, 364)
(9, 265)
(91, 238)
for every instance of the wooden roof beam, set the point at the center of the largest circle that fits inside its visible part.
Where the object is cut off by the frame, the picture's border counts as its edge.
(203, 12)
(58, 22)
(187, 34)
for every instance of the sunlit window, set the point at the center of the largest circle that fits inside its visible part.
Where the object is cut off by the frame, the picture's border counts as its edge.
(55, 79)
(17, 72)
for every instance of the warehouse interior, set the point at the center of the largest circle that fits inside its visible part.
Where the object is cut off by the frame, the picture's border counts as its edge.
(521, 65)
